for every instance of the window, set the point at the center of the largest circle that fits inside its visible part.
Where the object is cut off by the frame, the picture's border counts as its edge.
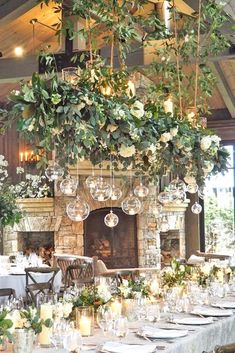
(219, 210)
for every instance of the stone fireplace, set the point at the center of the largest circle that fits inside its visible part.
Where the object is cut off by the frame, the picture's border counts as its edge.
(143, 248)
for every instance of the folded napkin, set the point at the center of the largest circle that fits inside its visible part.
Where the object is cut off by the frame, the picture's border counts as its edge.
(194, 260)
(116, 347)
(155, 332)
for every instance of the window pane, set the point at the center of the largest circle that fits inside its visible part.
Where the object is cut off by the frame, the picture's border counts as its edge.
(219, 211)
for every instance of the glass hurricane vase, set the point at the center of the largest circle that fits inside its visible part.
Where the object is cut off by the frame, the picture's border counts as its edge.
(23, 341)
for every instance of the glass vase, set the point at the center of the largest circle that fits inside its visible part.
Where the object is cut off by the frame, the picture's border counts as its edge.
(85, 320)
(23, 341)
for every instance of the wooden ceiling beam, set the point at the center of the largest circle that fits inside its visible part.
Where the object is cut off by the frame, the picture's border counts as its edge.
(224, 88)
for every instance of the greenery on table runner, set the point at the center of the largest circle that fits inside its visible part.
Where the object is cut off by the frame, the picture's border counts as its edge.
(5, 326)
(82, 121)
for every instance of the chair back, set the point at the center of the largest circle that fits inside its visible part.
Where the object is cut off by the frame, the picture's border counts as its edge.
(8, 292)
(63, 262)
(79, 273)
(39, 288)
(228, 348)
(208, 256)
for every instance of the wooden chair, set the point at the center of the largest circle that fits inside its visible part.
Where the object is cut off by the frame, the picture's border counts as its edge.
(39, 288)
(63, 262)
(8, 292)
(79, 274)
(228, 348)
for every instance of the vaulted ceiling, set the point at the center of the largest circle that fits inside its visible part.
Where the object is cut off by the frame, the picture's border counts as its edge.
(16, 30)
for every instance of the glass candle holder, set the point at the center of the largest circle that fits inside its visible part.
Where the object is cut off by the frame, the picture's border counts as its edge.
(71, 75)
(85, 320)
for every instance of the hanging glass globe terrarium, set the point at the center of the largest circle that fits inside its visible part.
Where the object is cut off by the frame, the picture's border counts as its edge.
(111, 219)
(196, 208)
(141, 190)
(131, 205)
(102, 191)
(192, 188)
(54, 172)
(177, 184)
(69, 185)
(164, 197)
(78, 210)
(116, 193)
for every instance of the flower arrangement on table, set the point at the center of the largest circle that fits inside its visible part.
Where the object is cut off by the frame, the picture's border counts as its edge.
(176, 275)
(132, 289)
(9, 211)
(92, 296)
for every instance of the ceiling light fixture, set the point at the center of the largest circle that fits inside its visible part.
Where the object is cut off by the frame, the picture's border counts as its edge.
(19, 51)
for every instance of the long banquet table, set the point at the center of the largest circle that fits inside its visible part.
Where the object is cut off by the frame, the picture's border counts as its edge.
(199, 338)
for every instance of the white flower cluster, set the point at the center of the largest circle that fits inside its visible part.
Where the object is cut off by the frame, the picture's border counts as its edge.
(207, 141)
(137, 109)
(3, 169)
(104, 293)
(33, 186)
(63, 309)
(168, 136)
(127, 151)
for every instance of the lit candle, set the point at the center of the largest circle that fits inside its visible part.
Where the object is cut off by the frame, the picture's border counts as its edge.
(26, 156)
(168, 105)
(116, 307)
(85, 326)
(44, 337)
(21, 156)
(130, 89)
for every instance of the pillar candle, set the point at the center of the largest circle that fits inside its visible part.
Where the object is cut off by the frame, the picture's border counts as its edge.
(21, 156)
(26, 156)
(44, 337)
(85, 326)
(168, 105)
(116, 307)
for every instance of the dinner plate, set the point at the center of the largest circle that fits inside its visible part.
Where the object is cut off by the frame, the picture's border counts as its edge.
(194, 321)
(211, 312)
(154, 332)
(225, 304)
(116, 347)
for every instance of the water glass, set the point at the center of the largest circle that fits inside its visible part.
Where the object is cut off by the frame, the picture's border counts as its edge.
(73, 341)
(121, 329)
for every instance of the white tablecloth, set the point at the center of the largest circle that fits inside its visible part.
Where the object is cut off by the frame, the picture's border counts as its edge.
(18, 282)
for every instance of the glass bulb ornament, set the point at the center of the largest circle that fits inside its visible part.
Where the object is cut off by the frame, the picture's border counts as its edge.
(164, 197)
(141, 190)
(156, 209)
(78, 210)
(164, 225)
(116, 193)
(196, 208)
(201, 193)
(102, 191)
(54, 172)
(91, 181)
(178, 196)
(177, 184)
(111, 219)
(192, 188)
(131, 205)
(68, 186)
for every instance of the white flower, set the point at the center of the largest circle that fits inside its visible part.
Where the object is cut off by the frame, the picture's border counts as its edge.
(216, 139)
(19, 170)
(111, 127)
(16, 92)
(152, 148)
(87, 100)
(104, 293)
(186, 38)
(189, 179)
(137, 109)
(165, 137)
(205, 143)
(174, 131)
(67, 309)
(208, 167)
(127, 151)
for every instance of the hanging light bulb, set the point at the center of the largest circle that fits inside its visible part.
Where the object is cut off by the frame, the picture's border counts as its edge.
(196, 208)
(78, 210)
(54, 172)
(164, 197)
(192, 188)
(116, 193)
(131, 205)
(102, 191)
(178, 196)
(68, 186)
(111, 219)
(141, 190)
(177, 184)
(91, 181)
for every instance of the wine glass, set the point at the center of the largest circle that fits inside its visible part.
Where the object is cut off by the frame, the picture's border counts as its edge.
(121, 329)
(105, 318)
(73, 342)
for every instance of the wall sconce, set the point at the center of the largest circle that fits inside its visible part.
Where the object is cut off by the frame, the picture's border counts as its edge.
(27, 157)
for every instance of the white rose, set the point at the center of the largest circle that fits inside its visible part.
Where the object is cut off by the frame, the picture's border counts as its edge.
(205, 143)
(216, 139)
(174, 131)
(67, 309)
(87, 100)
(111, 128)
(165, 137)
(126, 151)
(189, 179)
(137, 109)
(208, 167)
